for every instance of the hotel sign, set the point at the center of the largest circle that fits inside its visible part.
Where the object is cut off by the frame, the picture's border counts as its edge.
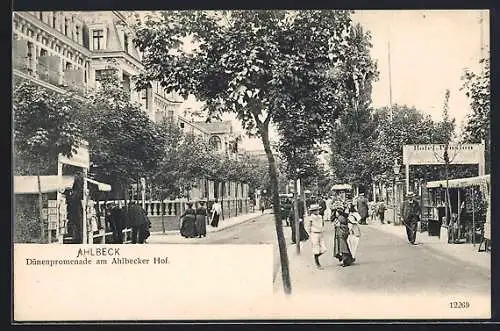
(434, 154)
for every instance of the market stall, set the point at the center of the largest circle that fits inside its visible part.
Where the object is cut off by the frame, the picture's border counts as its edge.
(462, 218)
(55, 204)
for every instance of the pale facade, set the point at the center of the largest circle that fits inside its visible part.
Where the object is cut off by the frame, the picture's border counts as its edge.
(61, 50)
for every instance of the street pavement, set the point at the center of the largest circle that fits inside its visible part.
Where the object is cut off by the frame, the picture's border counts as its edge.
(386, 262)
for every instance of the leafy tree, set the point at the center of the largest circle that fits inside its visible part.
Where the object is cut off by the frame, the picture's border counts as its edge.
(124, 144)
(44, 126)
(477, 89)
(267, 67)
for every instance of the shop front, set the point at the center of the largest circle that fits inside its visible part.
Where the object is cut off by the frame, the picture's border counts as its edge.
(457, 210)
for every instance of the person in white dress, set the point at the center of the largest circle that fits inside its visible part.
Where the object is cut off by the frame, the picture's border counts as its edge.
(315, 226)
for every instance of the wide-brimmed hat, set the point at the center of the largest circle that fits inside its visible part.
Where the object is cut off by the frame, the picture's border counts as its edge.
(410, 195)
(352, 219)
(314, 207)
(356, 216)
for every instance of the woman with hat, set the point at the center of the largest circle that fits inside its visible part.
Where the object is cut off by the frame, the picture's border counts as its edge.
(315, 226)
(188, 229)
(341, 249)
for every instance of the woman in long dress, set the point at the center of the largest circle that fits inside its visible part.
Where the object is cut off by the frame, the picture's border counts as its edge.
(341, 249)
(188, 229)
(200, 221)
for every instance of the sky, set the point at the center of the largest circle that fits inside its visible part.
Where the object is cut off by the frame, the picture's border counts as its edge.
(429, 50)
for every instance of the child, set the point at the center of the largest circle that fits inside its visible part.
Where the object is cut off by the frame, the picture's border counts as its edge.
(315, 226)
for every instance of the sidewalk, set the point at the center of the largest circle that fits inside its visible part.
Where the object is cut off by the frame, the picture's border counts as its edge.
(464, 252)
(175, 236)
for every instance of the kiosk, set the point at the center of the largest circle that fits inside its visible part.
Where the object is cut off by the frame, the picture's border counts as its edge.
(469, 209)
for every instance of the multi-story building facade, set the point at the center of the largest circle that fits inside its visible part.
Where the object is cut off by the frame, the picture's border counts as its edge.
(70, 50)
(61, 50)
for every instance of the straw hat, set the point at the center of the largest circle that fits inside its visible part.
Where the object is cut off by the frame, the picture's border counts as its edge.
(314, 207)
(410, 195)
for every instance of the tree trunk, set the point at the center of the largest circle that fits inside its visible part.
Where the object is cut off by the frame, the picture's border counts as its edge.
(40, 211)
(296, 216)
(285, 272)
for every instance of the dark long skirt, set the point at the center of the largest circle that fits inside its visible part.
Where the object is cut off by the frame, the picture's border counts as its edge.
(188, 229)
(340, 247)
(215, 220)
(302, 231)
(201, 225)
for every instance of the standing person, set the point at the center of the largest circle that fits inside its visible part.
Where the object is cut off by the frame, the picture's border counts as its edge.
(362, 206)
(410, 211)
(381, 212)
(315, 226)
(303, 235)
(354, 234)
(188, 228)
(200, 220)
(138, 222)
(322, 206)
(116, 222)
(341, 249)
(216, 212)
(262, 205)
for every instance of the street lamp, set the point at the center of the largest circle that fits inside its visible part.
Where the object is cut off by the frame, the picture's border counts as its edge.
(395, 169)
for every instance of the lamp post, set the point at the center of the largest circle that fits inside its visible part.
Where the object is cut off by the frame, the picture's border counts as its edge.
(395, 169)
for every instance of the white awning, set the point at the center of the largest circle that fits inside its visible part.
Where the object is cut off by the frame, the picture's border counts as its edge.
(29, 184)
(101, 186)
(460, 182)
(340, 187)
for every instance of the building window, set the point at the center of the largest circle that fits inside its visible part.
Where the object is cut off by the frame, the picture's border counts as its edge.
(58, 48)
(70, 55)
(215, 142)
(66, 26)
(40, 15)
(125, 42)
(43, 52)
(182, 125)
(145, 97)
(97, 39)
(77, 34)
(68, 66)
(45, 41)
(126, 82)
(54, 19)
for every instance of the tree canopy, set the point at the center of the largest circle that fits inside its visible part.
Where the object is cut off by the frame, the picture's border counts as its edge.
(477, 89)
(124, 144)
(44, 126)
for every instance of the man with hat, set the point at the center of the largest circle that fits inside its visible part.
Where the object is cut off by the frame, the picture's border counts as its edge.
(315, 226)
(410, 212)
(362, 207)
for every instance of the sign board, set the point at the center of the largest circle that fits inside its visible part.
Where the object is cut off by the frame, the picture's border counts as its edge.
(433, 154)
(80, 158)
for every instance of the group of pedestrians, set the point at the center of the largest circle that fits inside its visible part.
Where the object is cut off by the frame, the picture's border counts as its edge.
(345, 219)
(193, 222)
(132, 216)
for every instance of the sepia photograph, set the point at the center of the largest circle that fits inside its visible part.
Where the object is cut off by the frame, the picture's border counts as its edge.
(251, 164)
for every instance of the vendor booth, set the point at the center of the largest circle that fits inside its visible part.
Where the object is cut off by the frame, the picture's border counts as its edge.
(462, 218)
(68, 215)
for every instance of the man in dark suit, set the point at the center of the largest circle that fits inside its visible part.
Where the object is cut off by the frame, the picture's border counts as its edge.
(138, 222)
(362, 207)
(410, 212)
